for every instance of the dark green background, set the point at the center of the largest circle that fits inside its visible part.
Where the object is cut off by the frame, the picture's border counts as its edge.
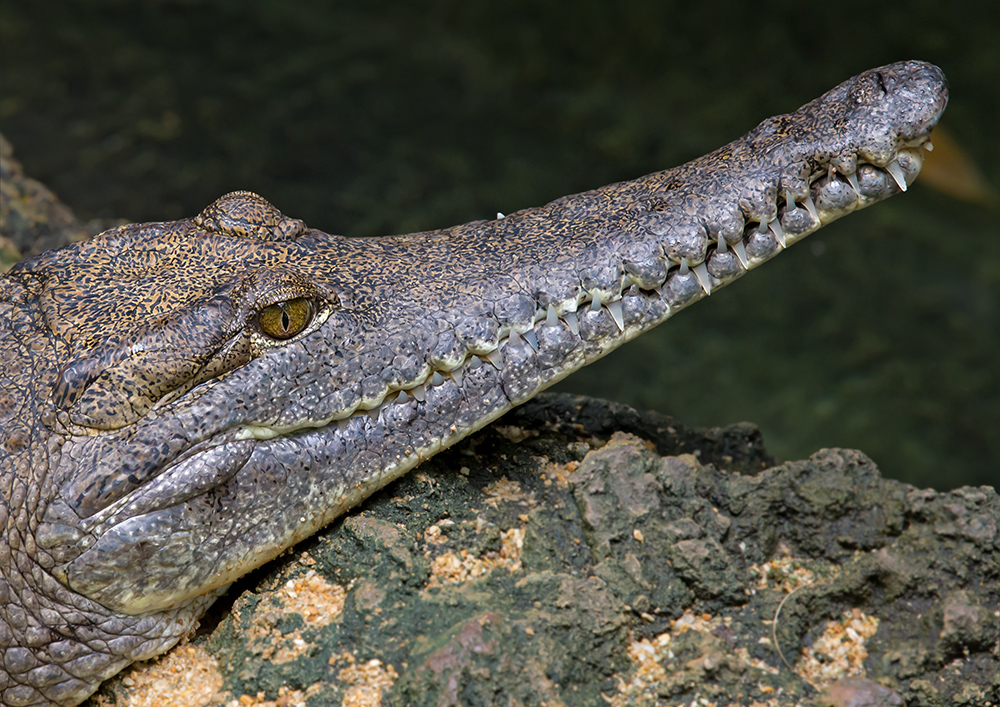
(880, 333)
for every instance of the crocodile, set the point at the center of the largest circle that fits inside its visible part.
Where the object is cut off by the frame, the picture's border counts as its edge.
(182, 401)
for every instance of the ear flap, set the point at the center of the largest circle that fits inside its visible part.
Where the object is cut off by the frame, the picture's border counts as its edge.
(114, 384)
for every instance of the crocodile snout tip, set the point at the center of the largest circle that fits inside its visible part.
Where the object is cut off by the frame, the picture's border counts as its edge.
(914, 93)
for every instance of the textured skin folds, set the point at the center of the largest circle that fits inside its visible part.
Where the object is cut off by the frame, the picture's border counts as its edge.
(156, 444)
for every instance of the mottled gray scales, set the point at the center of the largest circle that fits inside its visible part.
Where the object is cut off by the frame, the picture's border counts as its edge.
(181, 401)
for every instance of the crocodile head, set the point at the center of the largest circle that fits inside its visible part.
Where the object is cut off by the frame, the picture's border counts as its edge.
(182, 401)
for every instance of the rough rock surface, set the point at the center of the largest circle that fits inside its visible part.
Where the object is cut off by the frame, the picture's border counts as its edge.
(32, 219)
(582, 553)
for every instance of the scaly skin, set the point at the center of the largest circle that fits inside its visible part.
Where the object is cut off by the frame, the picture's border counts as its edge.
(159, 441)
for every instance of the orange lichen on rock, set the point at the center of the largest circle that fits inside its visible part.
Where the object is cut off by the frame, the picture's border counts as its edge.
(365, 683)
(840, 651)
(187, 676)
(455, 567)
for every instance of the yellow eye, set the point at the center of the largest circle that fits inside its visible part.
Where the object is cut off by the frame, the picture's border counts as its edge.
(283, 320)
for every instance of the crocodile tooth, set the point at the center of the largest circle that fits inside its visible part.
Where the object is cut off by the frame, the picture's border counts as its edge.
(615, 310)
(373, 413)
(513, 337)
(343, 423)
(437, 379)
(419, 392)
(500, 216)
(722, 246)
(929, 146)
(704, 279)
(572, 322)
(898, 174)
(532, 340)
(402, 397)
(741, 253)
(475, 362)
(495, 358)
(778, 232)
(551, 316)
(789, 201)
(456, 375)
(852, 179)
(811, 208)
(595, 304)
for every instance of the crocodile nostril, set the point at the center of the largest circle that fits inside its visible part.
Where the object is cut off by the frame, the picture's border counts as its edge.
(881, 81)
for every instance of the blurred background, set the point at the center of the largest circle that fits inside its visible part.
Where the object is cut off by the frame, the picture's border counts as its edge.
(880, 332)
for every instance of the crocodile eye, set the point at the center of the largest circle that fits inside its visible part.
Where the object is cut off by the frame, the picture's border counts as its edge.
(283, 320)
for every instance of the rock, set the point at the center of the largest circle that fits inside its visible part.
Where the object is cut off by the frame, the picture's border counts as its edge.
(858, 692)
(581, 553)
(32, 219)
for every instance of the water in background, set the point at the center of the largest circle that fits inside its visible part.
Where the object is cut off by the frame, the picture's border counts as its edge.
(879, 333)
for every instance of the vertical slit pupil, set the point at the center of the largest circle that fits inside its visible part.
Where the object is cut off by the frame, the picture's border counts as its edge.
(283, 320)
